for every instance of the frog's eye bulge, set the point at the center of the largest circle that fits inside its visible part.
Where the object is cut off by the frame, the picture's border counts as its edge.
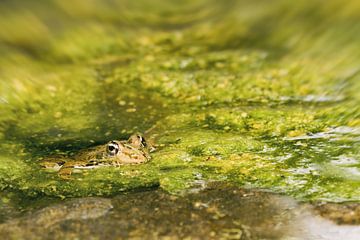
(112, 148)
(142, 140)
(137, 140)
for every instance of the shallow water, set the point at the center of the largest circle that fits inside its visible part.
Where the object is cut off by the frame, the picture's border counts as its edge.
(257, 94)
(218, 212)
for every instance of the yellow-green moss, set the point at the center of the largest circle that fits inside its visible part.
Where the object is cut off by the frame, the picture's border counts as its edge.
(261, 95)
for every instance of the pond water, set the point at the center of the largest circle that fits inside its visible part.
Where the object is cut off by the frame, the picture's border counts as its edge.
(220, 211)
(257, 94)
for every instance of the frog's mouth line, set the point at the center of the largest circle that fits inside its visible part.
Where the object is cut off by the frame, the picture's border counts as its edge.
(96, 165)
(86, 167)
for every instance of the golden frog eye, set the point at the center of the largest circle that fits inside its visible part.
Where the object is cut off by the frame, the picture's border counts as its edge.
(112, 148)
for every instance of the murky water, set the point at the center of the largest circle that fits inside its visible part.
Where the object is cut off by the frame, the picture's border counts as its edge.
(218, 212)
(257, 94)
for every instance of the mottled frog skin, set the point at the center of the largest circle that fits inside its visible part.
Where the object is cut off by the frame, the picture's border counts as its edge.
(135, 150)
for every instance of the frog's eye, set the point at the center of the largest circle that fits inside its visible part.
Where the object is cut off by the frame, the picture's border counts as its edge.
(142, 140)
(138, 141)
(112, 148)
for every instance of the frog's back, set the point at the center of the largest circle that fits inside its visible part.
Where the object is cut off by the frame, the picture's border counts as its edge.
(91, 154)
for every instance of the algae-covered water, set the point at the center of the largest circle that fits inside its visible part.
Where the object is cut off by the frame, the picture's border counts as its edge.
(260, 94)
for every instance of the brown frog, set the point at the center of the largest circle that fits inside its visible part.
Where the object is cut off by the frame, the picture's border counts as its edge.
(115, 153)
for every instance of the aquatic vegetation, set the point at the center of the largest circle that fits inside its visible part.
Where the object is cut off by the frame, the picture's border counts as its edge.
(259, 96)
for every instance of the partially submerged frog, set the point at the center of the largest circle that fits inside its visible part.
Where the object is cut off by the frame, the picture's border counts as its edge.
(115, 153)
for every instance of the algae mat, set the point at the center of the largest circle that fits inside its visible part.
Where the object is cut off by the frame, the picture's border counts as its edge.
(259, 94)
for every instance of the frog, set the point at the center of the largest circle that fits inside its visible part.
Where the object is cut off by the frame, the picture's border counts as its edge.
(135, 150)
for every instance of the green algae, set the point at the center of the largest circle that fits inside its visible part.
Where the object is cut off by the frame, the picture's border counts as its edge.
(260, 96)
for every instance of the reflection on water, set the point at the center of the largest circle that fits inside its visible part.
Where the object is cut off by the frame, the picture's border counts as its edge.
(218, 212)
